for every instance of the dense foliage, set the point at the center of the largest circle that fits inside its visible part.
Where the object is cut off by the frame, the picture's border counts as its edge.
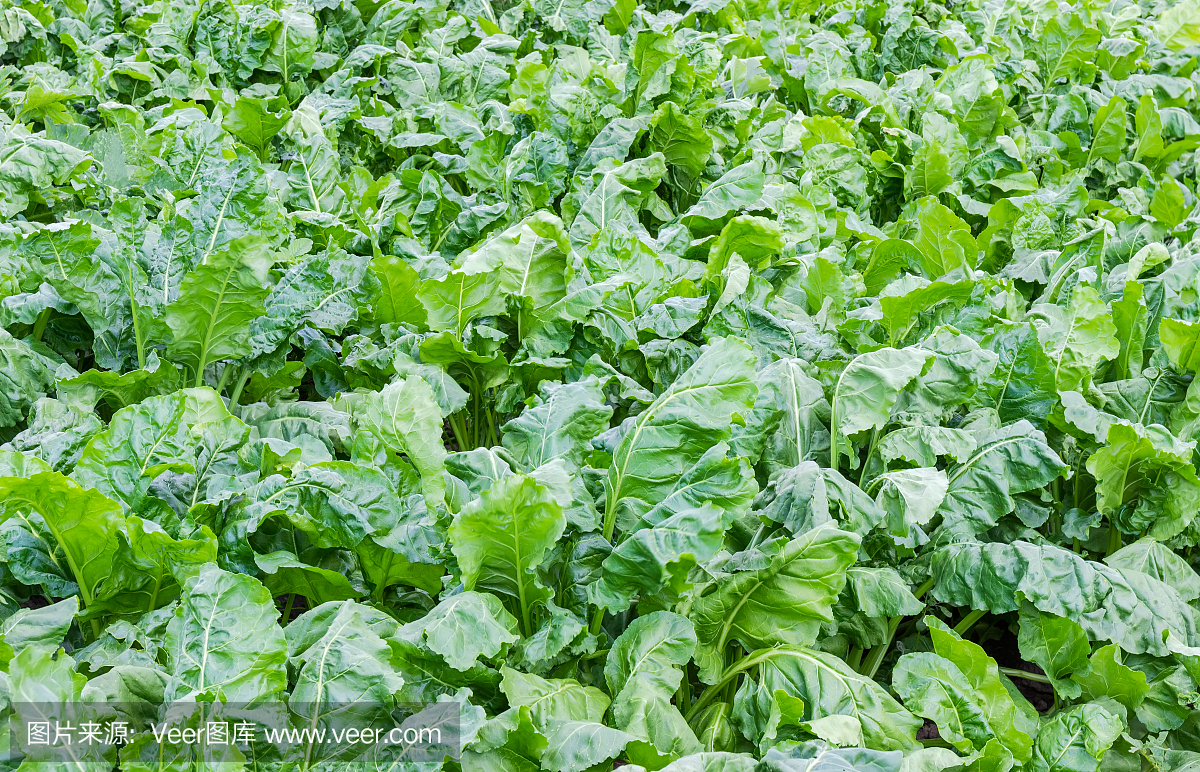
(700, 385)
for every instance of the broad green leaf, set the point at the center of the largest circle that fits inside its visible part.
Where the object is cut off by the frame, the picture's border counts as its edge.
(1179, 341)
(657, 560)
(867, 389)
(1024, 384)
(406, 419)
(254, 123)
(223, 640)
(1131, 609)
(943, 240)
(210, 321)
(501, 538)
(643, 669)
(66, 523)
(1148, 123)
(25, 377)
(1076, 338)
(1011, 460)
(789, 418)
(1129, 471)
(158, 434)
(681, 138)
(817, 756)
(934, 688)
(785, 601)
(653, 649)
(285, 574)
(1065, 47)
(1129, 317)
(1057, 645)
(556, 699)
(148, 565)
(574, 746)
(904, 300)
(558, 424)
(1010, 715)
(344, 671)
(32, 166)
(669, 437)
(1108, 676)
(1108, 131)
(1075, 740)
(42, 628)
(923, 445)
(457, 299)
(737, 188)
(882, 592)
(1179, 25)
(829, 687)
(398, 283)
(467, 626)
(1153, 558)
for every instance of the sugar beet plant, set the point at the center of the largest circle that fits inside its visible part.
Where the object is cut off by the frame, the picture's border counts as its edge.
(715, 385)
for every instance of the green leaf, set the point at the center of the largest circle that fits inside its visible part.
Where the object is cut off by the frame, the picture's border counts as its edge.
(1012, 718)
(1075, 740)
(657, 560)
(668, 438)
(1024, 383)
(32, 166)
(1179, 341)
(1147, 122)
(222, 639)
(398, 284)
(254, 123)
(1057, 645)
(285, 574)
(25, 377)
(788, 423)
(574, 746)
(936, 689)
(78, 524)
(40, 628)
(643, 669)
(1179, 26)
(344, 674)
(1131, 609)
(549, 700)
(459, 298)
(558, 424)
(406, 419)
(1153, 558)
(502, 537)
(943, 239)
(1012, 460)
(1129, 317)
(1066, 48)
(829, 687)
(155, 435)
(681, 138)
(1107, 676)
(785, 601)
(652, 650)
(1131, 469)
(736, 189)
(210, 322)
(1076, 338)
(882, 592)
(1108, 131)
(467, 626)
(867, 389)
